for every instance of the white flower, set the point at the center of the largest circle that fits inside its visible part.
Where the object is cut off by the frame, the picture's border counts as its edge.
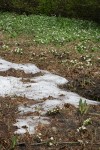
(39, 134)
(52, 138)
(50, 143)
(83, 128)
(80, 141)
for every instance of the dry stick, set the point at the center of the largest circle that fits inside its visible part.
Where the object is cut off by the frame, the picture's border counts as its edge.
(75, 143)
(69, 143)
(94, 114)
(60, 143)
(38, 144)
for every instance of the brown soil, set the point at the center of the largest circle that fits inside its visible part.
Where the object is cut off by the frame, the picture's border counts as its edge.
(64, 124)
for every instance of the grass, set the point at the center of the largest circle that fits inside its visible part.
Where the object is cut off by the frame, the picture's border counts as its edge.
(49, 29)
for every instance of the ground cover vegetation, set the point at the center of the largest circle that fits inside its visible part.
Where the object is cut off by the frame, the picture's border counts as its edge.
(87, 9)
(67, 47)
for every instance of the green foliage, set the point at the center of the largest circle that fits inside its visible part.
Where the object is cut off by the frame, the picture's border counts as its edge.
(83, 107)
(14, 142)
(44, 29)
(87, 122)
(0, 147)
(87, 9)
(81, 47)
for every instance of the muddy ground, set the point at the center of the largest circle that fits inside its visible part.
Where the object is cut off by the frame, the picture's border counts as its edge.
(62, 132)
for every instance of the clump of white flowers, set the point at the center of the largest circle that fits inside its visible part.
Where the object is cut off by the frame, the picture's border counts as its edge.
(18, 50)
(38, 137)
(85, 123)
(53, 111)
(51, 141)
(82, 128)
(5, 47)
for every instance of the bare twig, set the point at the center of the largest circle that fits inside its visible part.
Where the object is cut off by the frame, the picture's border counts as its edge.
(68, 143)
(38, 144)
(57, 143)
(94, 114)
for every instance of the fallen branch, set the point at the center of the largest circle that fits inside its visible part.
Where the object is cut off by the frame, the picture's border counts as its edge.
(38, 144)
(68, 143)
(94, 114)
(57, 143)
(60, 143)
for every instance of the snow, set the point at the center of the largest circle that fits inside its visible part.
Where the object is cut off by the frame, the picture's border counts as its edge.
(48, 77)
(43, 89)
(28, 124)
(27, 68)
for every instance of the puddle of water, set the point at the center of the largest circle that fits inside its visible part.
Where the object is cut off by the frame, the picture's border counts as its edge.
(40, 87)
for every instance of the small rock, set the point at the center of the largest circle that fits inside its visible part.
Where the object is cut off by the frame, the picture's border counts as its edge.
(54, 129)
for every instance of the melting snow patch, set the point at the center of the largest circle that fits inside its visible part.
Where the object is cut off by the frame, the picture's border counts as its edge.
(11, 86)
(28, 124)
(42, 87)
(51, 78)
(27, 68)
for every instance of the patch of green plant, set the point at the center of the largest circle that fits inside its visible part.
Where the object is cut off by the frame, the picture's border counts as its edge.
(95, 48)
(87, 9)
(46, 30)
(0, 147)
(14, 142)
(87, 122)
(81, 47)
(83, 107)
